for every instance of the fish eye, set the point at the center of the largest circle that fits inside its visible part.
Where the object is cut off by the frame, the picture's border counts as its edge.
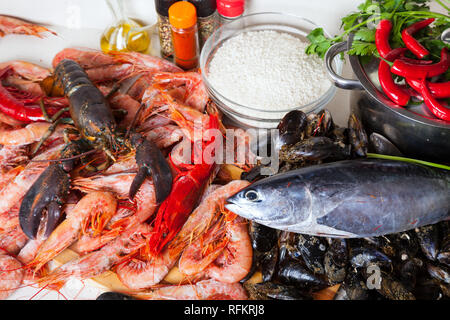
(252, 195)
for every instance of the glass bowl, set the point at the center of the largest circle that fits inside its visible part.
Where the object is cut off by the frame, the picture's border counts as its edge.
(253, 116)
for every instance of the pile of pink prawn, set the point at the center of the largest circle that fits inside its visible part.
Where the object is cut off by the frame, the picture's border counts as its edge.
(101, 224)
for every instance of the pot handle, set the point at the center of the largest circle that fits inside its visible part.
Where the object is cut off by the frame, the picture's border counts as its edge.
(339, 81)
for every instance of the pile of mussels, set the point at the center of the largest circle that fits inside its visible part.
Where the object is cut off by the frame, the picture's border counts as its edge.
(402, 266)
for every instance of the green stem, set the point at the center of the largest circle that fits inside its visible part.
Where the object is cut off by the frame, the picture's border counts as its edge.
(443, 5)
(426, 163)
(353, 28)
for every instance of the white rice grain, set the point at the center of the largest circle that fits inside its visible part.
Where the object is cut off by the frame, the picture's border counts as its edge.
(268, 70)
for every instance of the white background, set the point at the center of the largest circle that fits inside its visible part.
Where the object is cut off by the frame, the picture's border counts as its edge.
(79, 23)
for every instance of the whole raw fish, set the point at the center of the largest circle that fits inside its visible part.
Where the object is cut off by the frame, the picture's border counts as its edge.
(352, 198)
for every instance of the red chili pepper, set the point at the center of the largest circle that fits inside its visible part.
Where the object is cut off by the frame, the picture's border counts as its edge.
(439, 90)
(397, 94)
(411, 43)
(435, 107)
(415, 61)
(410, 70)
(382, 37)
(16, 109)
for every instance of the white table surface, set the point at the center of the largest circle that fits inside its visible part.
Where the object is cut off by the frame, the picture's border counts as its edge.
(79, 23)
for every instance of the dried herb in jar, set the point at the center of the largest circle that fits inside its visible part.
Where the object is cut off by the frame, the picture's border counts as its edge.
(164, 28)
(207, 19)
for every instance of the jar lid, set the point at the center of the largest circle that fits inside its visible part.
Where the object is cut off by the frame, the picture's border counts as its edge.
(162, 6)
(182, 14)
(230, 8)
(205, 8)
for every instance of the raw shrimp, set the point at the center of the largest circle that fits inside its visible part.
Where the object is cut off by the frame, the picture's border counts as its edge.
(32, 132)
(145, 62)
(165, 136)
(94, 263)
(124, 102)
(86, 58)
(235, 261)
(141, 272)
(115, 72)
(204, 215)
(11, 156)
(26, 70)
(13, 241)
(11, 25)
(30, 250)
(95, 208)
(196, 95)
(11, 275)
(202, 290)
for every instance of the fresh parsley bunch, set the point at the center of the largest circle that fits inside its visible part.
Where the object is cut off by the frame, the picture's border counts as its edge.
(402, 14)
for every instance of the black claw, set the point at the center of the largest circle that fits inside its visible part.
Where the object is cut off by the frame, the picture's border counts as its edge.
(54, 215)
(151, 161)
(49, 189)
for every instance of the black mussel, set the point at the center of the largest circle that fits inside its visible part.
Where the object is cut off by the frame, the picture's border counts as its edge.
(440, 273)
(263, 238)
(312, 249)
(294, 273)
(326, 122)
(268, 263)
(114, 296)
(353, 288)
(381, 145)
(393, 289)
(406, 244)
(287, 247)
(291, 128)
(444, 252)
(357, 136)
(427, 289)
(383, 244)
(409, 271)
(277, 291)
(428, 237)
(335, 260)
(253, 174)
(314, 149)
(363, 257)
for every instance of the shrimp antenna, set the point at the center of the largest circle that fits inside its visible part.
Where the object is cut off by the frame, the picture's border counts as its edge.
(67, 159)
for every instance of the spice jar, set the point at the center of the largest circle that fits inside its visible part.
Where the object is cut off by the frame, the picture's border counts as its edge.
(207, 19)
(183, 20)
(164, 29)
(230, 10)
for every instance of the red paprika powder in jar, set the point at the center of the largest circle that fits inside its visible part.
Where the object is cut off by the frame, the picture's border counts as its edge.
(183, 20)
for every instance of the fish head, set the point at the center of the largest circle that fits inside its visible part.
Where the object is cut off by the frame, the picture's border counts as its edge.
(274, 203)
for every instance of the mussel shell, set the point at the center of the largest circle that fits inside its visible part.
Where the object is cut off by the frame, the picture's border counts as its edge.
(440, 273)
(314, 149)
(357, 136)
(428, 237)
(292, 128)
(381, 145)
(427, 289)
(444, 252)
(353, 288)
(409, 271)
(270, 290)
(362, 257)
(336, 260)
(406, 244)
(114, 296)
(294, 273)
(312, 250)
(268, 264)
(393, 289)
(263, 238)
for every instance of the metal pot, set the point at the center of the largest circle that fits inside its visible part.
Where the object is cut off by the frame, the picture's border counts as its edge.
(415, 131)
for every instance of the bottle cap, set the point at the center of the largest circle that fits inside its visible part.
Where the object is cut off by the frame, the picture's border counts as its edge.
(162, 6)
(230, 8)
(182, 15)
(205, 8)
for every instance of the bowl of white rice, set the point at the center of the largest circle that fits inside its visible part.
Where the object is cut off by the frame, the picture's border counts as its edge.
(256, 70)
